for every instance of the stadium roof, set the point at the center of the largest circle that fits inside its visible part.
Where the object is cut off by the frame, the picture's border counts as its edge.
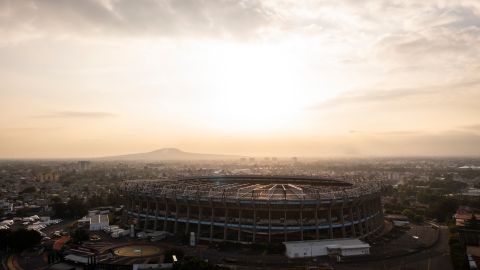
(253, 187)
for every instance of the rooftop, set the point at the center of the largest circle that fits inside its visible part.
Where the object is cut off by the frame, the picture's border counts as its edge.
(344, 242)
(99, 219)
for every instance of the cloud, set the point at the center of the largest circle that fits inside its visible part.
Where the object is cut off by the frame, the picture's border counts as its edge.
(132, 18)
(474, 127)
(397, 133)
(391, 95)
(443, 144)
(413, 143)
(412, 65)
(434, 36)
(78, 114)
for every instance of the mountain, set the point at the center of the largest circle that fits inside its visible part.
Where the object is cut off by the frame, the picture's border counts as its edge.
(170, 154)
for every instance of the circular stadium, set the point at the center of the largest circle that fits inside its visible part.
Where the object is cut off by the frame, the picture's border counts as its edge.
(255, 209)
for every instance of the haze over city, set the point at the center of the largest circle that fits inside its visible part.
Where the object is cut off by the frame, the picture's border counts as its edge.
(267, 78)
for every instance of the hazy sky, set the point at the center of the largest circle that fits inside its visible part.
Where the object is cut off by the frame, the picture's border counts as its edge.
(314, 78)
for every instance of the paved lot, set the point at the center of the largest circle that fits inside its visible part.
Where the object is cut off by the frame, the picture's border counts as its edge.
(399, 242)
(435, 258)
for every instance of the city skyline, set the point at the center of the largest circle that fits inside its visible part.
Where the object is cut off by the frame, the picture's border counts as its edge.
(254, 78)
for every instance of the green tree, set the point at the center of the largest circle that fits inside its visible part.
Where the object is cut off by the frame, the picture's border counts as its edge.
(457, 252)
(28, 190)
(4, 238)
(60, 210)
(473, 223)
(173, 251)
(76, 207)
(444, 209)
(56, 199)
(22, 239)
(417, 218)
(408, 213)
(80, 235)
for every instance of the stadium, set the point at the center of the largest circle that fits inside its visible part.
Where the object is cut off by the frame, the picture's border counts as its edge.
(255, 209)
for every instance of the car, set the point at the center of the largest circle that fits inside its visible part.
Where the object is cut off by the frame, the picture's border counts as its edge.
(95, 237)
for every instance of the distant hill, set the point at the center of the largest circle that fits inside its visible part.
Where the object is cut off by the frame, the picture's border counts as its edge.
(170, 154)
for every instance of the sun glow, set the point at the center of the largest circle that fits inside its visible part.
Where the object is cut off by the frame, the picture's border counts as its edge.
(255, 89)
(242, 88)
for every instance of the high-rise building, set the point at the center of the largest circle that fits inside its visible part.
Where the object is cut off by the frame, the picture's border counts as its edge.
(84, 165)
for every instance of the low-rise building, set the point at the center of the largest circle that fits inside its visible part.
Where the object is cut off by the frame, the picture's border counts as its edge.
(336, 247)
(99, 222)
(465, 213)
(398, 220)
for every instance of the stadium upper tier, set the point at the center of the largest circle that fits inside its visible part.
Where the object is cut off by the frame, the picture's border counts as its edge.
(250, 187)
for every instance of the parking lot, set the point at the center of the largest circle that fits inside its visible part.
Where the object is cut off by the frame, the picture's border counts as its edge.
(400, 240)
(408, 252)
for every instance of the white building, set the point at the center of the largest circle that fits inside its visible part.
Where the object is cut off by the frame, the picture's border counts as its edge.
(314, 248)
(99, 222)
(7, 222)
(400, 223)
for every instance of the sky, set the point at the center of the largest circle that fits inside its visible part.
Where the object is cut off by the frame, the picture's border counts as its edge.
(267, 78)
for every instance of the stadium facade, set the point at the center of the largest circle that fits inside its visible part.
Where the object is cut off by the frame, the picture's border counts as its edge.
(255, 209)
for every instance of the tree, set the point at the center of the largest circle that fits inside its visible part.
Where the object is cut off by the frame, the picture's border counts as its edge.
(417, 219)
(60, 210)
(96, 201)
(66, 183)
(443, 209)
(408, 213)
(4, 238)
(23, 239)
(173, 251)
(76, 207)
(426, 196)
(457, 252)
(28, 190)
(449, 186)
(56, 199)
(473, 223)
(80, 235)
